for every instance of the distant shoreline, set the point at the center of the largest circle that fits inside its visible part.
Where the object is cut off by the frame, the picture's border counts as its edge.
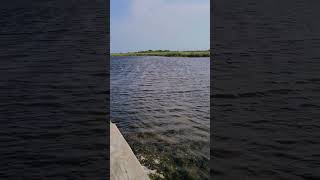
(166, 53)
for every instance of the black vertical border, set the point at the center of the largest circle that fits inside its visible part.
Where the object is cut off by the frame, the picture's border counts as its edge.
(54, 95)
(212, 5)
(107, 25)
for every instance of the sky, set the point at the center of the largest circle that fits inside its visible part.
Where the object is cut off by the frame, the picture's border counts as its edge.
(138, 25)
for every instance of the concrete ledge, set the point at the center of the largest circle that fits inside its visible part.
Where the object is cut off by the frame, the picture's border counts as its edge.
(124, 165)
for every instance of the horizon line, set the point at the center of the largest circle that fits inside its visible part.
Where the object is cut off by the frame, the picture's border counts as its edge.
(160, 50)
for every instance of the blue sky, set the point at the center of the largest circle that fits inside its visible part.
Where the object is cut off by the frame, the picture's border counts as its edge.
(159, 24)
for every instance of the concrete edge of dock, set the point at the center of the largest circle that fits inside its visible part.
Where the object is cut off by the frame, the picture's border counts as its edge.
(124, 165)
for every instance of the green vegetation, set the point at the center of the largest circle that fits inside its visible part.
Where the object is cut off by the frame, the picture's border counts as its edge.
(168, 162)
(166, 53)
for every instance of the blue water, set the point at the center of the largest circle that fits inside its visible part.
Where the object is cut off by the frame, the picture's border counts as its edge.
(161, 105)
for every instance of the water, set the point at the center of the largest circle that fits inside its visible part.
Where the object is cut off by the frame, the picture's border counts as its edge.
(161, 105)
(265, 92)
(53, 90)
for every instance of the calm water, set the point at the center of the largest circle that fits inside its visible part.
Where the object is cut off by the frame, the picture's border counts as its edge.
(161, 105)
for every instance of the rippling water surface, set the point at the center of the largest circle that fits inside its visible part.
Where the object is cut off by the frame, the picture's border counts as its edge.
(265, 95)
(53, 90)
(161, 105)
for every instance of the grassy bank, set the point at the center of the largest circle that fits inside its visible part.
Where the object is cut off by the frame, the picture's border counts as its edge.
(166, 53)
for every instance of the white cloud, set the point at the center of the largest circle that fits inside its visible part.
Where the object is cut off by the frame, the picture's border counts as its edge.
(159, 24)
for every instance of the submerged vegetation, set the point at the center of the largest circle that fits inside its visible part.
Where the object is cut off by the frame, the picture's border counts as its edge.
(166, 53)
(162, 163)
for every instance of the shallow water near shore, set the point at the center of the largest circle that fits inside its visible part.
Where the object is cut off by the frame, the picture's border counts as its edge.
(161, 106)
